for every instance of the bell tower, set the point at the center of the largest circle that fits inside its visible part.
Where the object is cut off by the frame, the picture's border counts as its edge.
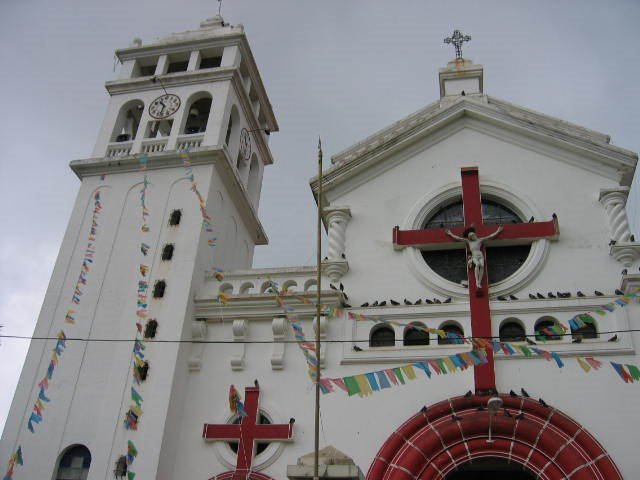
(177, 169)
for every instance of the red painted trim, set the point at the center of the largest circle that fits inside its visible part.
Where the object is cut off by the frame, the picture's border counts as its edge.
(547, 443)
(251, 476)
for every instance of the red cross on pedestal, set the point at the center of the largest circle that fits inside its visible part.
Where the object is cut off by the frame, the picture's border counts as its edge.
(247, 432)
(485, 380)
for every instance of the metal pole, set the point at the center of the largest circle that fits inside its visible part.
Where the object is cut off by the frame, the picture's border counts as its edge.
(318, 310)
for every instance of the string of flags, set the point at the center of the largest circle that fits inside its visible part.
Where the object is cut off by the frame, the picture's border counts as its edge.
(87, 259)
(139, 366)
(43, 385)
(235, 402)
(37, 411)
(367, 383)
(214, 272)
(307, 348)
(143, 191)
(14, 459)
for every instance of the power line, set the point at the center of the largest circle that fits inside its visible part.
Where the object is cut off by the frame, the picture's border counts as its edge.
(235, 342)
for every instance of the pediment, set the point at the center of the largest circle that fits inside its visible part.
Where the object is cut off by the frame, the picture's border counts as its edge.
(564, 141)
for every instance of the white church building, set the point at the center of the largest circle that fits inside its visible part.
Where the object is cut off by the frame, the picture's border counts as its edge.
(516, 362)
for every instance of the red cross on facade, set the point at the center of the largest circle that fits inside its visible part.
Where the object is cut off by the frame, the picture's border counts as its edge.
(485, 380)
(247, 432)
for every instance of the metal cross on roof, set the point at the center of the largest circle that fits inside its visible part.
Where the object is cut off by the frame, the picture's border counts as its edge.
(457, 39)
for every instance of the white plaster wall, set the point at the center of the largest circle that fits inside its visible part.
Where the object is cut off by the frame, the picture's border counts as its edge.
(377, 271)
(359, 426)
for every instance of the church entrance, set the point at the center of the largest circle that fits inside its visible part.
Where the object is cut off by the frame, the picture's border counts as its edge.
(491, 469)
(458, 439)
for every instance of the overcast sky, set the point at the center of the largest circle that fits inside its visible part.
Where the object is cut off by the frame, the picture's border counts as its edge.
(336, 68)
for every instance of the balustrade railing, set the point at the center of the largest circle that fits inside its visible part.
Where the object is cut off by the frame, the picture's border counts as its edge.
(118, 149)
(189, 142)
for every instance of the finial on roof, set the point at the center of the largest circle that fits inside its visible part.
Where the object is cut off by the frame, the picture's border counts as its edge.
(213, 22)
(457, 39)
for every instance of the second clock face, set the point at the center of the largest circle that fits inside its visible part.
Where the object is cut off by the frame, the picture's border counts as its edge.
(164, 106)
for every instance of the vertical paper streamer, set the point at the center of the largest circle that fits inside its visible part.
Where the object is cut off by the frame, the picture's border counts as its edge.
(215, 272)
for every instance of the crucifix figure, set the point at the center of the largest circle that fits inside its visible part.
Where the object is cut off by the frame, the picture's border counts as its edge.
(475, 259)
(247, 432)
(475, 242)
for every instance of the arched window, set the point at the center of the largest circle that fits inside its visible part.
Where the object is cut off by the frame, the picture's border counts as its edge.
(74, 464)
(452, 264)
(544, 328)
(511, 330)
(589, 330)
(253, 184)
(127, 122)
(233, 126)
(454, 334)
(198, 114)
(382, 336)
(415, 334)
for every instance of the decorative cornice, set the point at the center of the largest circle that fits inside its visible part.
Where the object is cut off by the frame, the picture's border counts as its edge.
(217, 155)
(381, 145)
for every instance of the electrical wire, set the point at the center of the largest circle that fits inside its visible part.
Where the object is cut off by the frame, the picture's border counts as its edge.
(235, 342)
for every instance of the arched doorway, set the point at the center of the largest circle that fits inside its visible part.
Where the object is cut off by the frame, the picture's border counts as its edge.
(491, 469)
(451, 438)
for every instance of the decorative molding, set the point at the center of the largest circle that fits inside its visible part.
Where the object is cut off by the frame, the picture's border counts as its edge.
(239, 329)
(585, 147)
(630, 283)
(335, 270)
(198, 332)
(625, 253)
(280, 331)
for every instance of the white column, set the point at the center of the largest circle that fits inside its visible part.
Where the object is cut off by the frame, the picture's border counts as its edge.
(194, 61)
(337, 219)
(614, 201)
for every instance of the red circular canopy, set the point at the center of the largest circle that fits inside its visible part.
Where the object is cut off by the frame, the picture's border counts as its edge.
(542, 440)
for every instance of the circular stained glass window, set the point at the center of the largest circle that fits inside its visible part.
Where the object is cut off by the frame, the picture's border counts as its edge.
(260, 446)
(502, 261)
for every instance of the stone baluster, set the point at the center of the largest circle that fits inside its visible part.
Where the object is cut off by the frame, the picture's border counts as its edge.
(614, 201)
(337, 219)
(623, 248)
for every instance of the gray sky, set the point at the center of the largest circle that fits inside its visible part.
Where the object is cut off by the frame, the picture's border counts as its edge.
(339, 69)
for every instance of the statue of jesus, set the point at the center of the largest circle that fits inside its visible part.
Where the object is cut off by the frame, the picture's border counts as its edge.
(475, 243)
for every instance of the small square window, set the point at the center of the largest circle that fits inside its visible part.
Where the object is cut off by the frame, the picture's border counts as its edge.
(159, 288)
(167, 252)
(151, 329)
(174, 218)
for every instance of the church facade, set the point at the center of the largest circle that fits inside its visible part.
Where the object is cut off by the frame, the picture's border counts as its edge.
(479, 293)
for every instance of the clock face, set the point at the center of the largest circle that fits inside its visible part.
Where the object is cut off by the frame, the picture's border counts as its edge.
(245, 144)
(164, 106)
